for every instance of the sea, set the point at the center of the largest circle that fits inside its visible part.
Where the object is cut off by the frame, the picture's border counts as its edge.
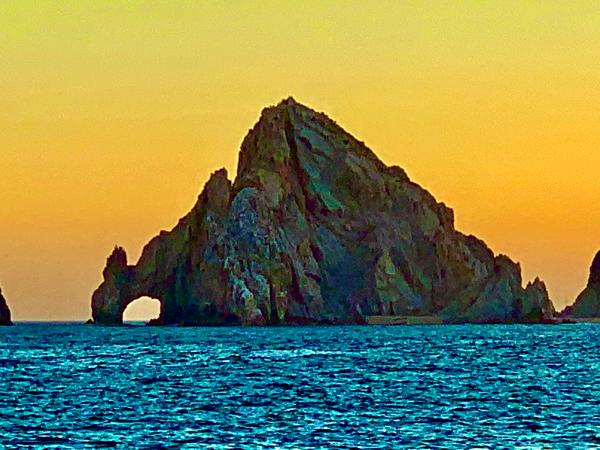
(374, 387)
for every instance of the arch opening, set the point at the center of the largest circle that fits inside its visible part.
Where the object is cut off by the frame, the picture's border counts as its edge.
(142, 310)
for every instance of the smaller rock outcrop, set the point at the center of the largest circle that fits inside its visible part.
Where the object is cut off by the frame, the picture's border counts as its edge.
(500, 299)
(587, 304)
(536, 306)
(4, 311)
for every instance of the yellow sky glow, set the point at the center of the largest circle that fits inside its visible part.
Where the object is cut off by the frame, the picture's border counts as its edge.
(113, 114)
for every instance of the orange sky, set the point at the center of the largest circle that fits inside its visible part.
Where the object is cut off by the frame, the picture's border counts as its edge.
(113, 114)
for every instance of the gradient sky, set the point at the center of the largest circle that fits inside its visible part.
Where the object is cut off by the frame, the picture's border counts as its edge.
(113, 114)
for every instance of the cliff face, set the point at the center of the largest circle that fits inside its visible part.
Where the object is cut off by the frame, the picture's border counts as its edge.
(316, 229)
(4, 311)
(587, 303)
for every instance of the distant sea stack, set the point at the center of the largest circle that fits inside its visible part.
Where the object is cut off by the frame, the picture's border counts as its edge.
(587, 304)
(316, 229)
(4, 311)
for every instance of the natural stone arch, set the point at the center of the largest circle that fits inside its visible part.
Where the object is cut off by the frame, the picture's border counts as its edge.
(119, 290)
(173, 288)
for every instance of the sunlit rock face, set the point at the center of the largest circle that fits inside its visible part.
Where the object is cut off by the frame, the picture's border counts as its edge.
(587, 303)
(4, 311)
(316, 229)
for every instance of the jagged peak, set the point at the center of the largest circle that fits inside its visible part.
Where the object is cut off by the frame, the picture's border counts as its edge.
(289, 101)
(282, 109)
(290, 104)
(118, 257)
(219, 174)
(537, 283)
(217, 191)
(218, 180)
(290, 119)
(285, 103)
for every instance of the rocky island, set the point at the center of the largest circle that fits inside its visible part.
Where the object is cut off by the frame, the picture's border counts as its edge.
(587, 303)
(4, 311)
(316, 229)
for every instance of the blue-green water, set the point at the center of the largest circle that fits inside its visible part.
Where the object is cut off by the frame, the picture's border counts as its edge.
(68, 386)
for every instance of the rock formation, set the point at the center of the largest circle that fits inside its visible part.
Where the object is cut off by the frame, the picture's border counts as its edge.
(4, 311)
(316, 229)
(587, 303)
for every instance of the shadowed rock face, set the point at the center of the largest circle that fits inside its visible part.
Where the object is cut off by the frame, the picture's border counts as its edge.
(587, 303)
(4, 311)
(316, 229)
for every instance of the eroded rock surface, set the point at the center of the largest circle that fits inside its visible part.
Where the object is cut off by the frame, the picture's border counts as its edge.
(316, 229)
(587, 304)
(4, 311)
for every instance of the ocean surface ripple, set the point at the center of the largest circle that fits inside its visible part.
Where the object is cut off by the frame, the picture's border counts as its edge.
(464, 386)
